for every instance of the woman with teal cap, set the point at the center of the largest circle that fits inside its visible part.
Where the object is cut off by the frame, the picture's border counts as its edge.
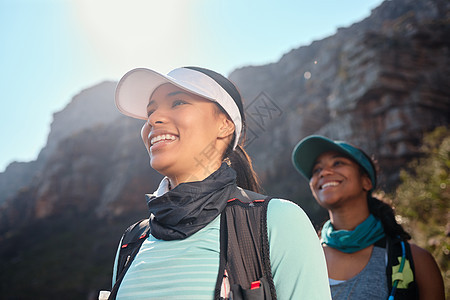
(367, 253)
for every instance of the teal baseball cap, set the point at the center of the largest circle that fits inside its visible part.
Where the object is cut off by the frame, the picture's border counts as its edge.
(310, 148)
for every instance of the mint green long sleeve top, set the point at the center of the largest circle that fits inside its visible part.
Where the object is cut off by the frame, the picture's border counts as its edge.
(188, 268)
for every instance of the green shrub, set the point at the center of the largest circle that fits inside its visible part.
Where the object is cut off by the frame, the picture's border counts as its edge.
(422, 200)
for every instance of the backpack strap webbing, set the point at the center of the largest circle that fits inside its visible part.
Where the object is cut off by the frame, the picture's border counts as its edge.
(244, 246)
(408, 288)
(132, 240)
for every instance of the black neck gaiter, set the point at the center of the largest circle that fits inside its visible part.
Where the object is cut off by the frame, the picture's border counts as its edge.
(190, 206)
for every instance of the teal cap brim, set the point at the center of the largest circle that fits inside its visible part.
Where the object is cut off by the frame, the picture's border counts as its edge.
(310, 148)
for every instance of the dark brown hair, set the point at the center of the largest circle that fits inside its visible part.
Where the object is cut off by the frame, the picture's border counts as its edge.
(380, 209)
(385, 213)
(242, 164)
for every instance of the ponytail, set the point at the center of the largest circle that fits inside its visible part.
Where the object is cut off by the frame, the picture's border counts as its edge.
(384, 212)
(242, 164)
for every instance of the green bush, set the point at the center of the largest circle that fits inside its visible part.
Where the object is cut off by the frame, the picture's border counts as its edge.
(422, 200)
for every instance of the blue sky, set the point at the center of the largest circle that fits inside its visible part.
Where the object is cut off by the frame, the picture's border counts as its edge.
(52, 49)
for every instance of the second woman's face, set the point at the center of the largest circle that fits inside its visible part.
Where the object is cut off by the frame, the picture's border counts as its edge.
(184, 133)
(338, 180)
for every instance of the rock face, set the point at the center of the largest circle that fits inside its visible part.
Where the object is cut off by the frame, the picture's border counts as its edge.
(91, 107)
(380, 84)
(101, 171)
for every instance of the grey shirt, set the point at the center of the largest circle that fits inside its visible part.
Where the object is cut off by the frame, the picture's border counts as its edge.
(369, 284)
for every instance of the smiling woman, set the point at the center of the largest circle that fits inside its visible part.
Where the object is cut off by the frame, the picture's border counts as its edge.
(362, 230)
(209, 231)
(180, 127)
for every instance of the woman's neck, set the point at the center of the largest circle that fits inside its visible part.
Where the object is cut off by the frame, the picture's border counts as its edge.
(347, 218)
(195, 174)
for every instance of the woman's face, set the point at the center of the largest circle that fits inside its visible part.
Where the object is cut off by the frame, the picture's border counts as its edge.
(185, 134)
(337, 180)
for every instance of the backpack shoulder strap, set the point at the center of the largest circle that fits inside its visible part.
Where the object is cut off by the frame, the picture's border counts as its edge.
(244, 246)
(400, 268)
(132, 239)
(246, 196)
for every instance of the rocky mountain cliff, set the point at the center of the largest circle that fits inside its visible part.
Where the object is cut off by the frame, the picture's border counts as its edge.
(380, 84)
(91, 107)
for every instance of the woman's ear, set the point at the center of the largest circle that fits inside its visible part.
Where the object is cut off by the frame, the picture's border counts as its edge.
(226, 128)
(366, 183)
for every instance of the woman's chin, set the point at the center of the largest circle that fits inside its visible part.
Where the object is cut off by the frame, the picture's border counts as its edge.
(327, 203)
(160, 165)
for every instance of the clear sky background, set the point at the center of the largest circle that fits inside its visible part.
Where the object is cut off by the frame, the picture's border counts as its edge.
(50, 50)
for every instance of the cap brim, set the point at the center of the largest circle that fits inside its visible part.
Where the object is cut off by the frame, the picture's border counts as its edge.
(307, 150)
(135, 88)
